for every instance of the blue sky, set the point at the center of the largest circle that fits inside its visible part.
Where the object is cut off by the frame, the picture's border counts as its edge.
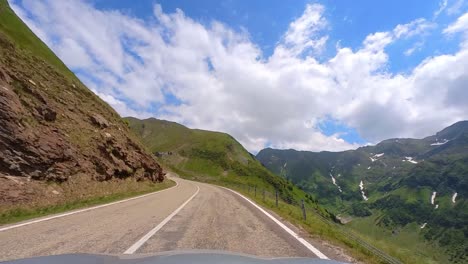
(350, 21)
(315, 75)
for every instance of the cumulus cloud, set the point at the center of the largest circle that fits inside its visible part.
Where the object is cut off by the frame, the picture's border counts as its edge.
(210, 76)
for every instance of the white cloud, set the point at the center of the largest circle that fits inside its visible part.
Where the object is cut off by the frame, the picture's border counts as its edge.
(416, 47)
(461, 25)
(304, 33)
(223, 82)
(416, 27)
(456, 7)
(452, 8)
(442, 6)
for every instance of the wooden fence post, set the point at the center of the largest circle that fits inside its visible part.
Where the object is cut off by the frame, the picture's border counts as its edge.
(303, 210)
(276, 192)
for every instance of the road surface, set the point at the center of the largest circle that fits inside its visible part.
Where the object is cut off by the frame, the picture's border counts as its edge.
(191, 215)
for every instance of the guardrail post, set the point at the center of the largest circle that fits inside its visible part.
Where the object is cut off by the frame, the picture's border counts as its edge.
(255, 190)
(276, 194)
(303, 210)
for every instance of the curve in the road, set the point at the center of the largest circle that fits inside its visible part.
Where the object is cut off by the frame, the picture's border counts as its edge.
(192, 216)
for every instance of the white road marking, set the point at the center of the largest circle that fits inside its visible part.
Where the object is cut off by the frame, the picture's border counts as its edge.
(287, 229)
(82, 210)
(151, 233)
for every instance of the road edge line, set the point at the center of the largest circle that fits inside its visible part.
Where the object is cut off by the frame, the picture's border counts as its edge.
(304, 242)
(153, 231)
(83, 210)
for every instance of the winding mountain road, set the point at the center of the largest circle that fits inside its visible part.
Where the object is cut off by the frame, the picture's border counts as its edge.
(190, 215)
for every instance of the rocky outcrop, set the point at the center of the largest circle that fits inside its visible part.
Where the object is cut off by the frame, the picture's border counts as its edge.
(52, 128)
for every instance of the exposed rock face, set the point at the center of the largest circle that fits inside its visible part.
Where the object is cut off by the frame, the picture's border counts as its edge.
(53, 128)
(100, 121)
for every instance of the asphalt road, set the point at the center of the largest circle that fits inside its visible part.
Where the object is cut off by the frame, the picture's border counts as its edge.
(214, 219)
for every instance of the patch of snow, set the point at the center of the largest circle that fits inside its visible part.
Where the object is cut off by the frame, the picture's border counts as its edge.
(437, 143)
(410, 159)
(334, 183)
(361, 186)
(32, 82)
(423, 225)
(368, 168)
(437, 206)
(433, 197)
(454, 197)
(376, 156)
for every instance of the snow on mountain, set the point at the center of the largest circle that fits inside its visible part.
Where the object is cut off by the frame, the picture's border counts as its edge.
(334, 182)
(437, 143)
(376, 156)
(433, 197)
(454, 197)
(410, 159)
(361, 186)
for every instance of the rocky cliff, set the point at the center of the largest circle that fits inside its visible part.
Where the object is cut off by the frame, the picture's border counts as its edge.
(52, 128)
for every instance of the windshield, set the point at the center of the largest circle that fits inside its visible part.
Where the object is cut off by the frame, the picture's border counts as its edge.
(243, 131)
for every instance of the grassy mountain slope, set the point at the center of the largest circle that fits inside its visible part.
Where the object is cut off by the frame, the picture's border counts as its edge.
(59, 142)
(206, 155)
(399, 177)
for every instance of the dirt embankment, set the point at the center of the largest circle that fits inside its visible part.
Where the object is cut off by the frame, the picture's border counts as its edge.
(53, 130)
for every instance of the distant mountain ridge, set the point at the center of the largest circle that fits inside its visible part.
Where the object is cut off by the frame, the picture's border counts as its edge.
(397, 181)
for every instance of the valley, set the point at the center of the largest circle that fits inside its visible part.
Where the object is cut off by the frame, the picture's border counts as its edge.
(397, 190)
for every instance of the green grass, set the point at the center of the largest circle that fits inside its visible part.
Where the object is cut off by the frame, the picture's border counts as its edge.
(24, 38)
(21, 214)
(406, 244)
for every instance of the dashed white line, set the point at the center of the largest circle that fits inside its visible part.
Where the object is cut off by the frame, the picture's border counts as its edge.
(82, 210)
(153, 231)
(313, 249)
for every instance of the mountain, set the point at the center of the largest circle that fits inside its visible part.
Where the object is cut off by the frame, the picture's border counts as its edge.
(206, 155)
(396, 183)
(55, 132)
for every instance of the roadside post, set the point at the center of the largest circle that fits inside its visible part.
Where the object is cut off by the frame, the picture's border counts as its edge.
(303, 210)
(276, 192)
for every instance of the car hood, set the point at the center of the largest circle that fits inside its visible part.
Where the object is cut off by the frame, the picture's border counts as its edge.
(171, 257)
